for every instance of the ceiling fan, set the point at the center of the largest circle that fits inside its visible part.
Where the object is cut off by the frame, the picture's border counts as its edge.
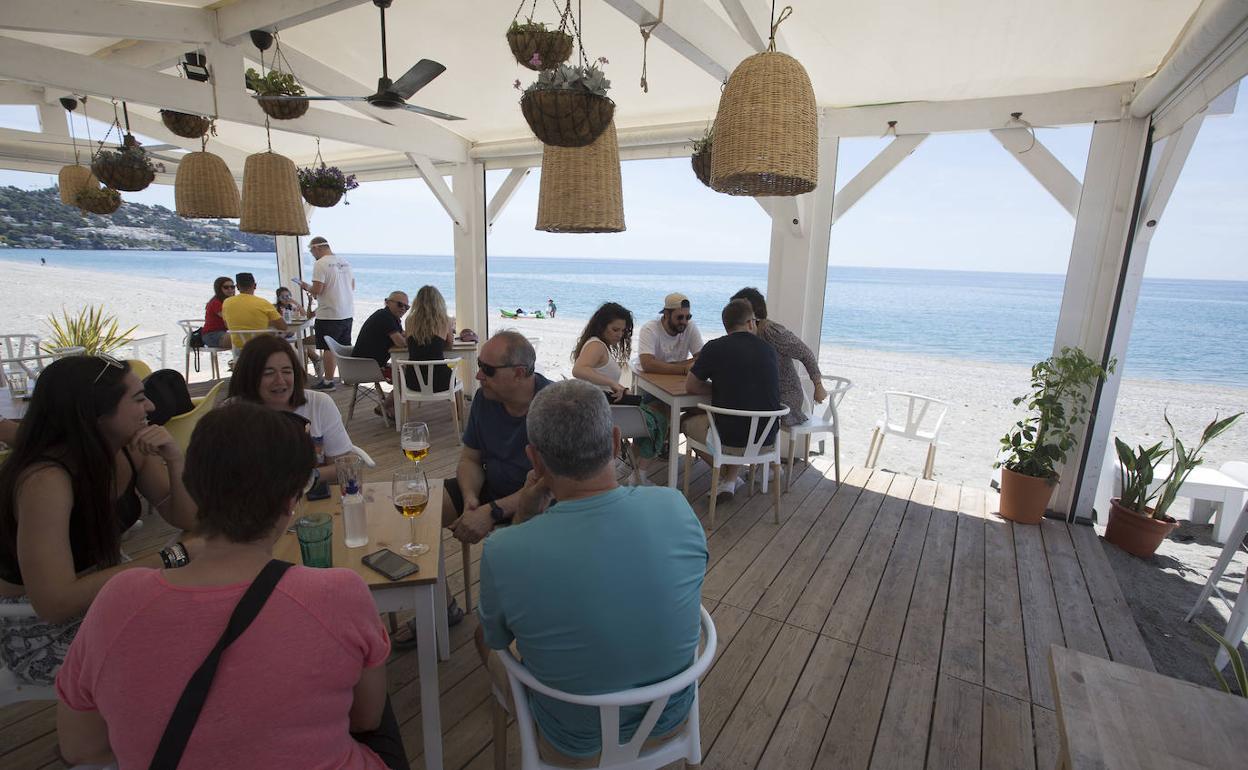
(390, 95)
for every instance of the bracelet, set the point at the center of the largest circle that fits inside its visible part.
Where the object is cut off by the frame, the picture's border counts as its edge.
(175, 556)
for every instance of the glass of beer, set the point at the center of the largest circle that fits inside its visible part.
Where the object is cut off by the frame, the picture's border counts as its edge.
(415, 441)
(410, 493)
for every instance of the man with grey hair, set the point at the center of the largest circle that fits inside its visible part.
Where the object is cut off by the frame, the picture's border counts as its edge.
(545, 583)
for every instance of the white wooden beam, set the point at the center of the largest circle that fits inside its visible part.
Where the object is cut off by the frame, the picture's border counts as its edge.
(503, 195)
(433, 177)
(753, 22)
(784, 212)
(693, 30)
(144, 54)
(32, 63)
(1025, 148)
(110, 18)
(52, 120)
(19, 93)
(874, 172)
(235, 21)
(1216, 28)
(1223, 73)
(1059, 108)
(471, 283)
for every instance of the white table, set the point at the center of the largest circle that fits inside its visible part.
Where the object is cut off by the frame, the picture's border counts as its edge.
(1212, 493)
(670, 389)
(140, 337)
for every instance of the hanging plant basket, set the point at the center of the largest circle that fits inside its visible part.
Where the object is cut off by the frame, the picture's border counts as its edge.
(566, 118)
(551, 47)
(74, 179)
(100, 200)
(581, 190)
(204, 188)
(322, 197)
(283, 109)
(701, 161)
(128, 169)
(185, 124)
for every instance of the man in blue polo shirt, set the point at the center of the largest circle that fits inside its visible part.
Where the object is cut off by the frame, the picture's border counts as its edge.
(601, 592)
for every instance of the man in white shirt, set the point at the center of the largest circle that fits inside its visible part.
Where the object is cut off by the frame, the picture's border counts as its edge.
(333, 286)
(670, 343)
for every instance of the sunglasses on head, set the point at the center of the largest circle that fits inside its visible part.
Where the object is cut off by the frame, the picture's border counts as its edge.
(109, 362)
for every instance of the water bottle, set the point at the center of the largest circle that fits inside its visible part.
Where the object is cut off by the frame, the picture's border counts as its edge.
(353, 515)
(288, 315)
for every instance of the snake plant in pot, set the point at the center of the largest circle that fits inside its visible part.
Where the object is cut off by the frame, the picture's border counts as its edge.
(1061, 387)
(1138, 520)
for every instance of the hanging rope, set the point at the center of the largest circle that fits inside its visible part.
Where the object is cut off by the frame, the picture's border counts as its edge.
(776, 22)
(1017, 117)
(646, 30)
(318, 154)
(72, 137)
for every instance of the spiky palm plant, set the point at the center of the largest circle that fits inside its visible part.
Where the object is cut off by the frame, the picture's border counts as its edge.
(91, 329)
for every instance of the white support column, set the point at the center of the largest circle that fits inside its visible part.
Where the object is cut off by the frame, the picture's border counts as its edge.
(1042, 165)
(1169, 155)
(1098, 275)
(289, 256)
(471, 290)
(797, 274)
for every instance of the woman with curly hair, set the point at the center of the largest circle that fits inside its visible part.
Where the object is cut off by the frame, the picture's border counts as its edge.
(604, 347)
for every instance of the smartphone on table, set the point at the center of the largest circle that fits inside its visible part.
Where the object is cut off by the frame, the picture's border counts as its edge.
(390, 564)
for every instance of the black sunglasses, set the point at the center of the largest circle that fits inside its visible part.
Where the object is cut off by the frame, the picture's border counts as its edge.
(489, 369)
(685, 317)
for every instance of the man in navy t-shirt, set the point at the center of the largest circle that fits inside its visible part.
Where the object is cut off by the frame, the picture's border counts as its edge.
(738, 371)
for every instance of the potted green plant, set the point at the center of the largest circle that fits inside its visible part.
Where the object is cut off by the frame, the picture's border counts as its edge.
(701, 158)
(128, 168)
(1061, 387)
(1134, 525)
(537, 47)
(91, 329)
(269, 89)
(324, 186)
(568, 106)
(1236, 660)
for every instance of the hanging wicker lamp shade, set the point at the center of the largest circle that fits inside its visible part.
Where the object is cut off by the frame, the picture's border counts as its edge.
(581, 190)
(204, 188)
(74, 179)
(271, 201)
(766, 134)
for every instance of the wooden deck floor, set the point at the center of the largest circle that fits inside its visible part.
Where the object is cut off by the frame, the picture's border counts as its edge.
(885, 622)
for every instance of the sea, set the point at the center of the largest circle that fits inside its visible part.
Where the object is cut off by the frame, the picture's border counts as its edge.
(1185, 330)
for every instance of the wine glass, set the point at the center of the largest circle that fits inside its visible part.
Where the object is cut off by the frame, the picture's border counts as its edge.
(415, 441)
(410, 493)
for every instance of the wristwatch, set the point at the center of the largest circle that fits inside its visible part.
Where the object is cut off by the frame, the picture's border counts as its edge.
(497, 513)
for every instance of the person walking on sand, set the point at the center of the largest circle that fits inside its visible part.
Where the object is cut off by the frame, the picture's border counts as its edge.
(550, 307)
(333, 286)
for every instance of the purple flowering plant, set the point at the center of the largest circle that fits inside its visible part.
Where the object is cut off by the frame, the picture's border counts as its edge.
(330, 177)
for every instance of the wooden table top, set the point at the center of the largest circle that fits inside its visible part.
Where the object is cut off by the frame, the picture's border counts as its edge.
(1114, 716)
(386, 529)
(672, 384)
(11, 408)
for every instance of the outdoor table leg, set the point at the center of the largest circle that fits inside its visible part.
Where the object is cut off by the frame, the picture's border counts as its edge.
(439, 600)
(673, 445)
(427, 658)
(1232, 509)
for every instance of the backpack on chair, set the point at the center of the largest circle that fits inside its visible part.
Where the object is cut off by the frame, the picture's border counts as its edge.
(166, 388)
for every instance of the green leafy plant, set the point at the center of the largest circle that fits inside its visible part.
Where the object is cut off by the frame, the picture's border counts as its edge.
(1061, 387)
(703, 144)
(1184, 460)
(569, 77)
(274, 83)
(1237, 664)
(330, 177)
(1137, 469)
(91, 329)
(527, 26)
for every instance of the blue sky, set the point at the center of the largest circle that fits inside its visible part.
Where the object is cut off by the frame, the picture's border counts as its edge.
(959, 202)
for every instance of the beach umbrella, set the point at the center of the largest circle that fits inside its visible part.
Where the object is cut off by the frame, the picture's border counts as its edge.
(204, 188)
(581, 190)
(272, 204)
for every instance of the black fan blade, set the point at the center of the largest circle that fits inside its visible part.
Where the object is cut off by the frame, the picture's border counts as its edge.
(419, 76)
(431, 113)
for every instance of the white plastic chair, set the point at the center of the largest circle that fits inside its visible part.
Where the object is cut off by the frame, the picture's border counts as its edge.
(359, 371)
(684, 745)
(828, 422)
(424, 373)
(632, 425)
(189, 325)
(1237, 624)
(754, 453)
(12, 689)
(365, 458)
(911, 416)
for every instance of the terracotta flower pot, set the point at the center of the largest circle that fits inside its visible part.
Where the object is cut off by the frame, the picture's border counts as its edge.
(1024, 498)
(1136, 534)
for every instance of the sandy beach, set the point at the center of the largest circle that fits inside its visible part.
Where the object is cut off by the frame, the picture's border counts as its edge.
(979, 393)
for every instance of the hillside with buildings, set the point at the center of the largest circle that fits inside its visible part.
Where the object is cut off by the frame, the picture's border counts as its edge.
(36, 219)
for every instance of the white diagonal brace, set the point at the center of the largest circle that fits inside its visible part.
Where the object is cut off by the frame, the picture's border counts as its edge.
(504, 195)
(110, 18)
(753, 23)
(441, 191)
(32, 63)
(785, 210)
(693, 30)
(235, 21)
(1042, 165)
(874, 172)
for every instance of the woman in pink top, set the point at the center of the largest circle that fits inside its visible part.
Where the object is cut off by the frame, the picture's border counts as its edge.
(304, 686)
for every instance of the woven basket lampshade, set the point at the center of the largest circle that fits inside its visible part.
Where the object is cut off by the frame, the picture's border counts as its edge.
(766, 135)
(581, 190)
(204, 188)
(73, 180)
(271, 201)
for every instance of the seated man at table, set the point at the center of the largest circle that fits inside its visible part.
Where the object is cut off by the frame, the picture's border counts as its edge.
(738, 371)
(381, 331)
(247, 311)
(670, 343)
(544, 583)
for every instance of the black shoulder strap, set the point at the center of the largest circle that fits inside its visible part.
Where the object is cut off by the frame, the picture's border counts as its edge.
(186, 713)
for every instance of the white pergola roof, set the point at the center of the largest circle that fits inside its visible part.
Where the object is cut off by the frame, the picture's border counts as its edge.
(858, 52)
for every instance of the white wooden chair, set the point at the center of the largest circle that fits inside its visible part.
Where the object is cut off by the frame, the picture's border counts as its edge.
(827, 423)
(911, 416)
(424, 371)
(754, 453)
(21, 352)
(686, 745)
(355, 372)
(1237, 624)
(632, 425)
(188, 325)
